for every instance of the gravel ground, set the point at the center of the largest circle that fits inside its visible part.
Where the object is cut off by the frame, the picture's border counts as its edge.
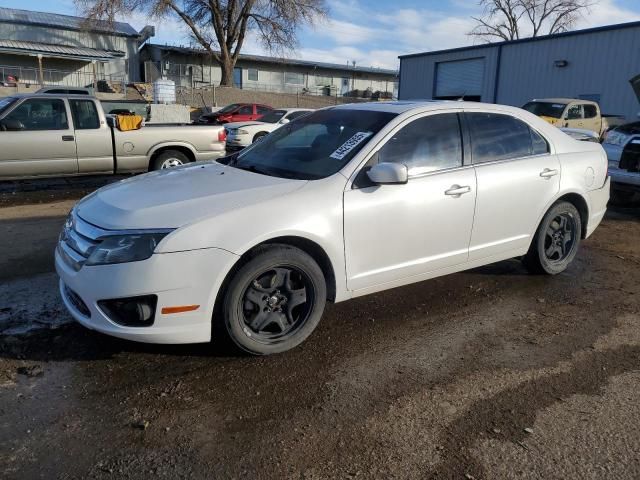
(486, 374)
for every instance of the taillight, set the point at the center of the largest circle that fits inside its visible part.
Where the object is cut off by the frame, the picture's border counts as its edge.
(222, 135)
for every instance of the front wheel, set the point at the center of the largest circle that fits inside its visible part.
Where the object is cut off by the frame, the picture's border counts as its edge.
(556, 241)
(274, 301)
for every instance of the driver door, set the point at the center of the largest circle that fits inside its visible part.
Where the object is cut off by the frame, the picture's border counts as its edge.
(44, 144)
(574, 118)
(395, 232)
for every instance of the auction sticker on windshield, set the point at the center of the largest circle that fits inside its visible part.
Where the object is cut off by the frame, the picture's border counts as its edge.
(349, 145)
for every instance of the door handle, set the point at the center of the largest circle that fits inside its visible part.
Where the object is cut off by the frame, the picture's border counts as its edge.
(548, 173)
(457, 190)
(68, 138)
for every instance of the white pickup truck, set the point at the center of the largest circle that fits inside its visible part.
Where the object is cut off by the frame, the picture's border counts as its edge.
(47, 135)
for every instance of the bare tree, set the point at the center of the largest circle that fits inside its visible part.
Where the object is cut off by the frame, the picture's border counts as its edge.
(221, 26)
(514, 19)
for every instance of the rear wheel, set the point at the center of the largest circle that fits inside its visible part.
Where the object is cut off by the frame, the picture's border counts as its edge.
(556, 241)
(169, 159)
(274, 301)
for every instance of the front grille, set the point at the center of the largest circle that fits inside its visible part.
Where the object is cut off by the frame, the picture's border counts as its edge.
(77, 302)
(77, 241)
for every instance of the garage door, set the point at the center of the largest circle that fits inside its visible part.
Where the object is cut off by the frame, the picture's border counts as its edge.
(463, 77)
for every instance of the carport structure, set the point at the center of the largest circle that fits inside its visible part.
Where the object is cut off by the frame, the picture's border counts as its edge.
(78, 59)
(54, 49)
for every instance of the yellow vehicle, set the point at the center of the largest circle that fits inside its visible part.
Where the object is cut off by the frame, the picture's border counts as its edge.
(574, 113)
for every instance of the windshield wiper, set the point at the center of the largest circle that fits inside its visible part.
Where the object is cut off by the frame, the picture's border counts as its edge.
(252, 168)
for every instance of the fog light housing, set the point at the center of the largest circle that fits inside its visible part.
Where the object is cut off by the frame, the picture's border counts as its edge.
(131, 312)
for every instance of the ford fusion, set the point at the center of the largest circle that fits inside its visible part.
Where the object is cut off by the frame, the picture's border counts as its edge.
(343, 202)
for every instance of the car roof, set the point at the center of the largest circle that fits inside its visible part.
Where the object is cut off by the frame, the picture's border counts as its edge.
(561, 100)
(417, 106)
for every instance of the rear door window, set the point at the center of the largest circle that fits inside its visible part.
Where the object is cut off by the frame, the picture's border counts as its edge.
(497, 136)
(85, 114)
(590, 111)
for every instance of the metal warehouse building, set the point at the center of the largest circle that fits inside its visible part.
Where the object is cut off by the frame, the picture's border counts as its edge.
(593, 64)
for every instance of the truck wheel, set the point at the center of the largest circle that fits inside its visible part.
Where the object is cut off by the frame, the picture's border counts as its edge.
(556, 241)
(169, 159)
(258, 136)
(274, 301)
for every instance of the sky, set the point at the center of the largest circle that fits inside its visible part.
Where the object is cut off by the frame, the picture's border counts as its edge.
(370, 32)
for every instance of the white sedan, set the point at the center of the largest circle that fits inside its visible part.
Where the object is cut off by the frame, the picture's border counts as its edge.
(243, 134)
(346, 201)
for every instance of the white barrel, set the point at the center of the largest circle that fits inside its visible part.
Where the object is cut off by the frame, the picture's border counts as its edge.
(164, 91)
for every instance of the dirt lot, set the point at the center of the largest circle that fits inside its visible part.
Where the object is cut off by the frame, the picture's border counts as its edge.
(487, 374)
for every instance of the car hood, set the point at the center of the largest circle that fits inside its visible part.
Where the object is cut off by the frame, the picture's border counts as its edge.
(242, 124)
(179, 196)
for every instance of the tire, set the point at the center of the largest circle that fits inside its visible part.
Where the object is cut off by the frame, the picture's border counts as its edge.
(273, 301)
(259, 136)
(556, 241)
(169, 159)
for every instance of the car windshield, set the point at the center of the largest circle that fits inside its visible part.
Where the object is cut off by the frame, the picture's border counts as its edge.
(229, 108)
(545, 109)
(6, 103)
(273, 117)
(314, 146)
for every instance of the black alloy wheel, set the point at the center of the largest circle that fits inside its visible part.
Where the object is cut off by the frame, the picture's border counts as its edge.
(273, 301)
(277, 302)
(560, 237)
(556, 240)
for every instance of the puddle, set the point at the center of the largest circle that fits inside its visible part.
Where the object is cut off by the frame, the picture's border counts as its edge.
(29, 304)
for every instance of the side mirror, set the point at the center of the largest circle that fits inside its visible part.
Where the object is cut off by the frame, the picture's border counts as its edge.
(111, 120)
(387, 173)
(12, 125)
(284, 121)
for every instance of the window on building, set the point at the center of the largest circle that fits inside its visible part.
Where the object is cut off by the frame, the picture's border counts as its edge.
(252, 74)
(294, 78)
(85, 115)
(323, 81)
(425, 145)
(41, 114)
(502, 137)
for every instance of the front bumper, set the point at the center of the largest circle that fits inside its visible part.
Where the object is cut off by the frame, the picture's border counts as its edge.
(238, 141)
(181, 278)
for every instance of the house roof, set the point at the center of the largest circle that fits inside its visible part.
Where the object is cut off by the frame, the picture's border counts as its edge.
(58, 51)
(289, 61)
(67, 22)
(606, 28)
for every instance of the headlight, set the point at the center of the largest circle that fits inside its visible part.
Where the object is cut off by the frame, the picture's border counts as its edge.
(243, 132)
(125, 248)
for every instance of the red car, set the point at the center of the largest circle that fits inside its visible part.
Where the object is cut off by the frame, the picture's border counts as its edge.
(236, 112)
